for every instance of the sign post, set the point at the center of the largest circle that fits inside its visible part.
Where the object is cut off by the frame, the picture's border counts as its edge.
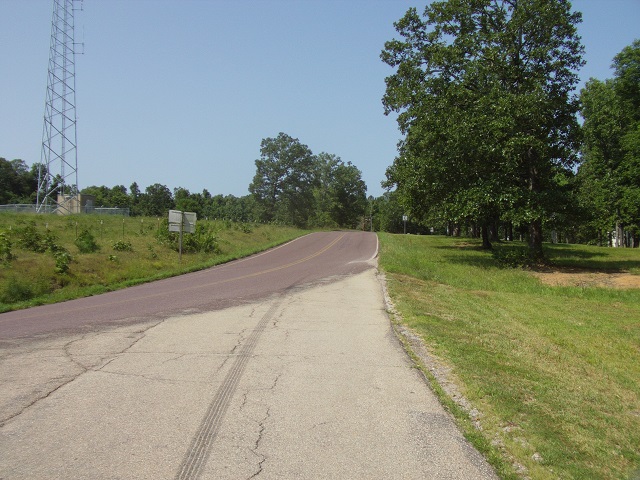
(404, 219)
(182, 222)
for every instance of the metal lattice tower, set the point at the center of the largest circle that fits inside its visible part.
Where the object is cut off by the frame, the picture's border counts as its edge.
(58, 173)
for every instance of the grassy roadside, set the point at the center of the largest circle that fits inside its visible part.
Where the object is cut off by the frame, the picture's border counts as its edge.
(554, 372)
(130, 251)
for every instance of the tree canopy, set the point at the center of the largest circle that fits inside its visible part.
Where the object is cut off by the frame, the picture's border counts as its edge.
(483, 90)
(609, 177)
(294, 186)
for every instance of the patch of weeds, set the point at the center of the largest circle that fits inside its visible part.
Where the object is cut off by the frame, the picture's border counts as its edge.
(30, 239)
(63, 260)
(203, 240)
(152, 252)
(5, 249)
(16, 290)
(246, 228)
(86, 243)
(122, 246)
(113, 258)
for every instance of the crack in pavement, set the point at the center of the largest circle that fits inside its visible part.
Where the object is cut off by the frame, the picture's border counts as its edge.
(64, 351)
(256, 446)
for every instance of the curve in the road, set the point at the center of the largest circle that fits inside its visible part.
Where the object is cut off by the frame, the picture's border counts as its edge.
(303, 261)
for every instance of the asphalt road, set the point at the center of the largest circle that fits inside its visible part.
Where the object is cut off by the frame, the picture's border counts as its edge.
(283, 365)
(299, 262)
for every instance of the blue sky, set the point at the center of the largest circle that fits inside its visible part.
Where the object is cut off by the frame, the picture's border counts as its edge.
(181, 92)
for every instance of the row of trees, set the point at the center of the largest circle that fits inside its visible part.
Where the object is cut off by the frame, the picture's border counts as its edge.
(291, 186)
(484, 92)
(18, 182)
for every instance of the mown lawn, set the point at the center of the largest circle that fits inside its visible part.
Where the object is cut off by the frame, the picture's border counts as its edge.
(131, 250)
(554, 371)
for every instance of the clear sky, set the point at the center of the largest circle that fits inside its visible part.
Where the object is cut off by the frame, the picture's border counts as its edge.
(181, 92)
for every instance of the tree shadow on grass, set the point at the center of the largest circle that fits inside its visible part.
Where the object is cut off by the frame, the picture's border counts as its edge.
(557, 256)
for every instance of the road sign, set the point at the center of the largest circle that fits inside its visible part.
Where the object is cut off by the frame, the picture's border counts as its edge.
(185, 219)
(182, 222)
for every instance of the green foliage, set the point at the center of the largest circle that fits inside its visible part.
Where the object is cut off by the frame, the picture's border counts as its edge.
(483, 95)
(63, 260)
(16, 290)
(30, 239)
(513, 257)
(283, 184)
(86, 243)
(204, 240)
(122, 246)
(5, 249)
(609, 178)
(18, 184)
(340, 195)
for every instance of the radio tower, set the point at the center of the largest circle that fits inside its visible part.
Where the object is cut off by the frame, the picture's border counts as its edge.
(58, 173)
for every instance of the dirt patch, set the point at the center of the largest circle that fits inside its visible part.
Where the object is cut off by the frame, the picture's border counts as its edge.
(577, 278)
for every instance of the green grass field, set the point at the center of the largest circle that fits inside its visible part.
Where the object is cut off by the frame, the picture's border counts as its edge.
(553, 371)
(30, 278)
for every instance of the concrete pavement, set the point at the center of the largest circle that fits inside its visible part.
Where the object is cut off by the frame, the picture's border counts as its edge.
(309, 384)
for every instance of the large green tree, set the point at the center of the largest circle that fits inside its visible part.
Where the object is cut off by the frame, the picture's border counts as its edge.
(156, 200)
(483, 89)
(18, 183)
(340, 195)
(609, 177)
(283, 184)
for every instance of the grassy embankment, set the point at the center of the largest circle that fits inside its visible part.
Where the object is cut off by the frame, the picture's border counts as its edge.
(553, 371)
(33, 278)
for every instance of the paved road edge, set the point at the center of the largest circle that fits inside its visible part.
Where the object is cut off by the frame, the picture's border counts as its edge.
(440, 379)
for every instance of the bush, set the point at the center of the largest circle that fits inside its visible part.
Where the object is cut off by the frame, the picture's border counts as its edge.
(514, 257)
(30, 239)
(5, 249)
(203, 240)
(63, 259)
(16, 291)
(86, 243)
(121, 246)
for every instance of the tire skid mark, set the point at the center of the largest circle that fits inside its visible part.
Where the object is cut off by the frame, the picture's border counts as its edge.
(200, 448)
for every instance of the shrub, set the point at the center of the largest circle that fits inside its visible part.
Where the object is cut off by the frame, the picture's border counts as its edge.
(16, 290)
(122, 246)
(203, 240)
(514, 257)
(63, 259)
(30, 239)
(86, 243)
(5, 249)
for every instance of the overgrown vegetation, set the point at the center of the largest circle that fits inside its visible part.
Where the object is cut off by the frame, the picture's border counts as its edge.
(553, 371)
(48, 258)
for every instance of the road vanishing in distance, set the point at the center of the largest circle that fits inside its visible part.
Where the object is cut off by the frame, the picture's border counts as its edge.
(301, 261)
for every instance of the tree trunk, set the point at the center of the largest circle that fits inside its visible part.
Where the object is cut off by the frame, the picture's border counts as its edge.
(535, 227)
(493, 232)
(486, 244)
(535, 239)
(619, 235)
(509, 232)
